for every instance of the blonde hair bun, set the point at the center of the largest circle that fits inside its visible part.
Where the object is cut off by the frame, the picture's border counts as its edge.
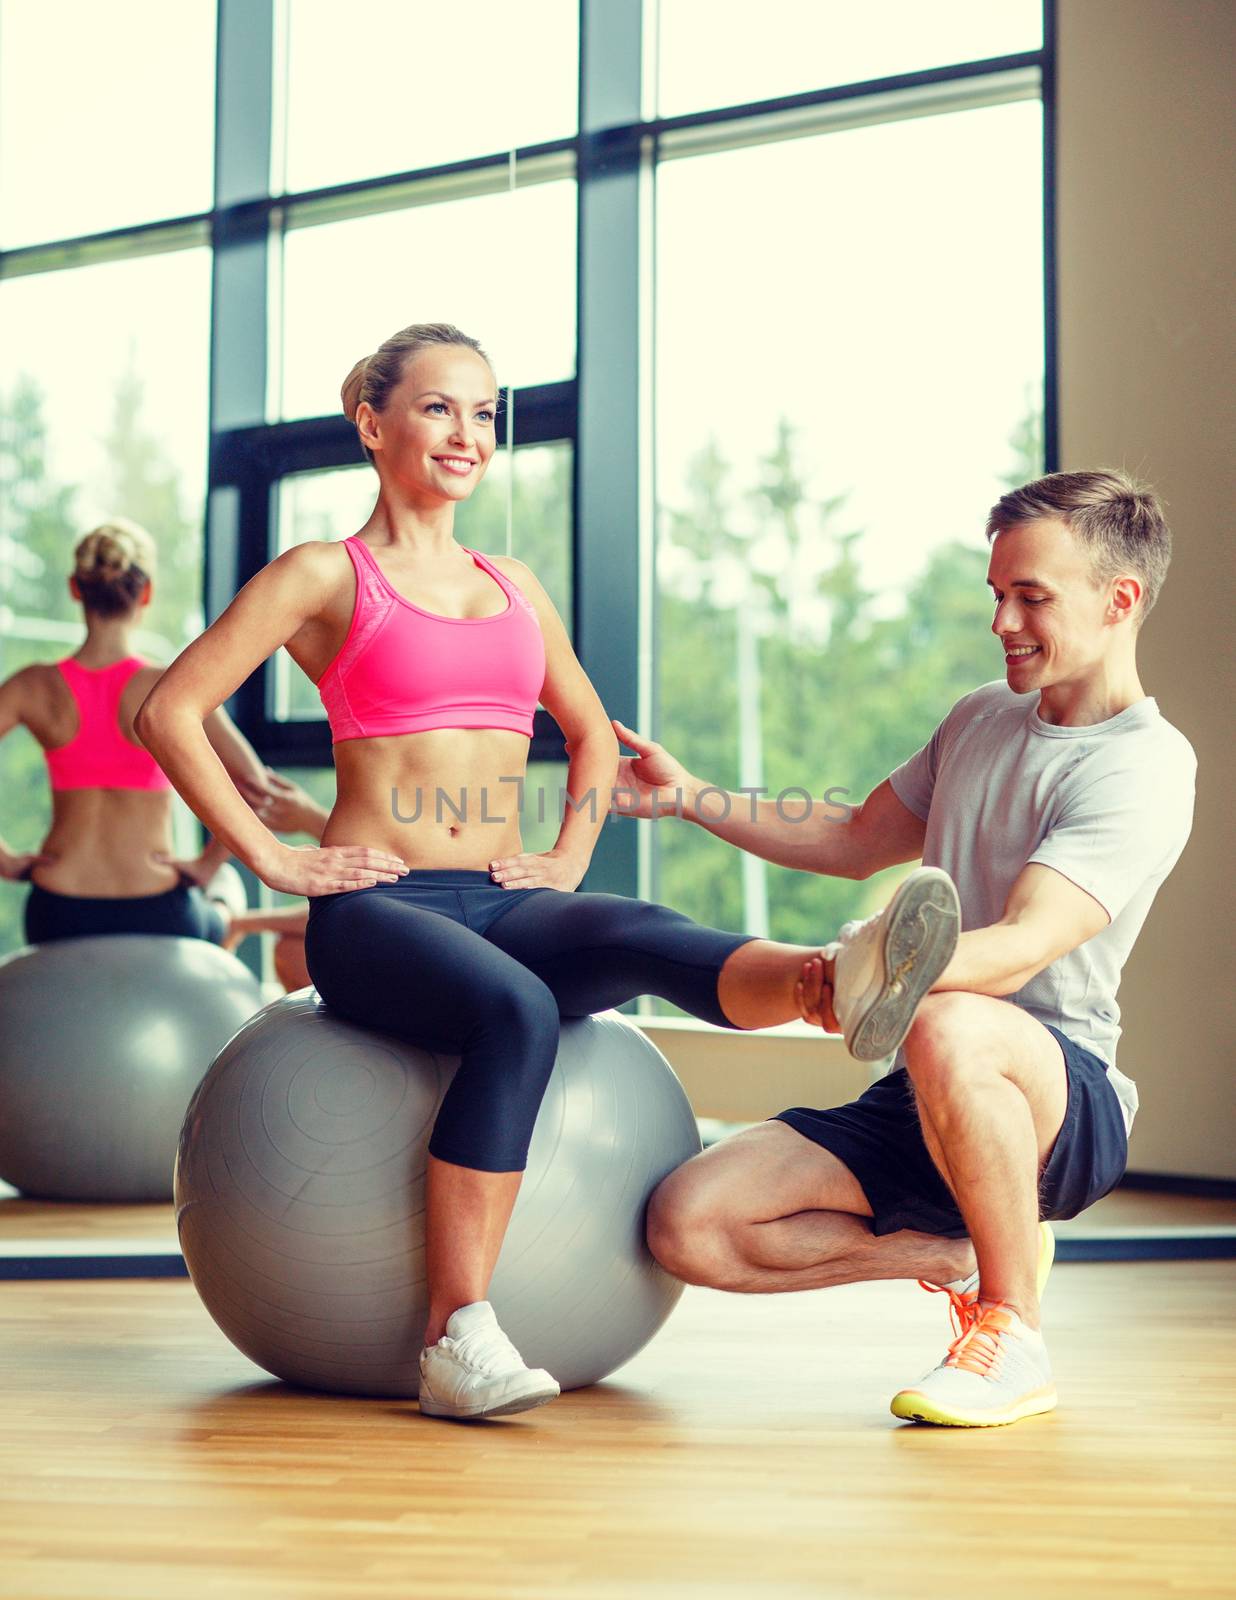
(113, 549)
(113, 564)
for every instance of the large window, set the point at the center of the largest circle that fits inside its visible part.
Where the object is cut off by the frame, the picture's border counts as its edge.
(392, 86)
(844, 385)
(106, 115)
(103, 407)
(765, 293)
(349, 285)
(717, 54)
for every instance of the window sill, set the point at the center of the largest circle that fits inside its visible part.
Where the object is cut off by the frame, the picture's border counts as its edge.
(745, 1077)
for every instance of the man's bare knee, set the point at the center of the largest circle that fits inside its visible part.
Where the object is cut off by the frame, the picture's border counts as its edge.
(942, 1022)
(950, 1043)
(962, 1042)
(689, 1229)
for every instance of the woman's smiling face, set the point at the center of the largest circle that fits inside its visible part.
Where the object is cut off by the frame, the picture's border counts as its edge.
(437, 432)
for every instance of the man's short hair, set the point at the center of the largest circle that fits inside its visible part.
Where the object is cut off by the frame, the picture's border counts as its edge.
(1117, 519)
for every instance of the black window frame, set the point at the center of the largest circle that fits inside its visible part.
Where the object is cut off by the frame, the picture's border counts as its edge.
(603, 412)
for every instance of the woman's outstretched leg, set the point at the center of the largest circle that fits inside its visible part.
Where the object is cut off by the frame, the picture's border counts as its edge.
(593, 951)
(756, 986)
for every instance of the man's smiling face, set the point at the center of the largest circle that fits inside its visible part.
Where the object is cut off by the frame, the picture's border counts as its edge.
(1052, 616)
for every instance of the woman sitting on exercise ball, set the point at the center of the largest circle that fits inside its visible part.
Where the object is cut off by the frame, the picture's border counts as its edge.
(107, 864)
(426, 917)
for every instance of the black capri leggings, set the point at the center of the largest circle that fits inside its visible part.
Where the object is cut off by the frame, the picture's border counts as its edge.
(183, 912)
(453, 962)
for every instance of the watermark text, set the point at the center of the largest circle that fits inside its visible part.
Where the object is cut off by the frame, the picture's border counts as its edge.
(710, 804)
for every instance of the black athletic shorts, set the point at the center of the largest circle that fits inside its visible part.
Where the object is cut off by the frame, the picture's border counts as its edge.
(879, 1138)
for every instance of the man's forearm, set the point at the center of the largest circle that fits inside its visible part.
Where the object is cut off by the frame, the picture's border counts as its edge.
(997, 961)
(792, 830)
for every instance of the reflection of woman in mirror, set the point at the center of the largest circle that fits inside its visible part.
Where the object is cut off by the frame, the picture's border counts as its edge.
(107, 863)
(428, 920)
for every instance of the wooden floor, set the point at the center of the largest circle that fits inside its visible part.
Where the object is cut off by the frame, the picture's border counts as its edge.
(747, 1453)
(85, 1223)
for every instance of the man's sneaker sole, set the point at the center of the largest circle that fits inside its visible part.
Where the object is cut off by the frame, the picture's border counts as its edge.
(912, 1406)
(924, 919)
(528, 1401)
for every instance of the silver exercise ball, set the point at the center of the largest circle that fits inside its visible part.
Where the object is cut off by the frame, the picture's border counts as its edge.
(300, 1198)
(102, 1043)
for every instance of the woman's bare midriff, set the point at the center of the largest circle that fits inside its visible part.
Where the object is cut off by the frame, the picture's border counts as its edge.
(104, 842)
(442, 799)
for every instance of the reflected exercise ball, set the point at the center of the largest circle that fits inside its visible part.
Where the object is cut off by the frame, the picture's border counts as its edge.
(228, 887)
(300, 1197)
(102, 1043)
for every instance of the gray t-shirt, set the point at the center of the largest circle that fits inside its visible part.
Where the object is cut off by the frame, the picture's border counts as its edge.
(1108, 806)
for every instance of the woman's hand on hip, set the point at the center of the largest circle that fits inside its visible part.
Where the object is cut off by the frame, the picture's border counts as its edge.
(332, 869)
(197, 869)
(17, 867)
(548, 871)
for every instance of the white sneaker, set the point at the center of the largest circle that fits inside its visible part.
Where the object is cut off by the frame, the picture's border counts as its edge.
(995, 1372)
(475, 1371)
(885, 966)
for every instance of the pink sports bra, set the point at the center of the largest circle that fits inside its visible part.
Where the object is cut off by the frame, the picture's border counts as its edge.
(100, 755)
(404, 670)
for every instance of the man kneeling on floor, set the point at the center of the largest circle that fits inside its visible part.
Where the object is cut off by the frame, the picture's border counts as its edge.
(1057, 799)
